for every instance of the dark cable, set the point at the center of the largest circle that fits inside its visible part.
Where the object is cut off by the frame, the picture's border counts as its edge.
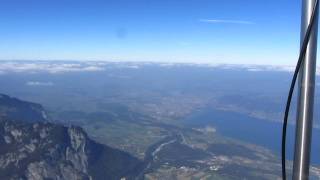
(293, 82)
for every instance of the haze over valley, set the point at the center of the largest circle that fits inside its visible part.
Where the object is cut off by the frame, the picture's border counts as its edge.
(175, 121)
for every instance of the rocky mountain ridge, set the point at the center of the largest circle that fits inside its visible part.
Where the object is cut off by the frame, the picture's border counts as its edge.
(34, 149)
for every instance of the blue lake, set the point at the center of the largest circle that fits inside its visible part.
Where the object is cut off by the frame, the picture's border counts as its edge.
(252, 130)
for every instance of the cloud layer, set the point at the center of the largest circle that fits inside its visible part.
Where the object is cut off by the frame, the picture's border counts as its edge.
(260, 68)
(51, 67)
(54, 67)
(38, 83)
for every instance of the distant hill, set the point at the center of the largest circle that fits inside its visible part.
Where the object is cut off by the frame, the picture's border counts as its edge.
(34, 149)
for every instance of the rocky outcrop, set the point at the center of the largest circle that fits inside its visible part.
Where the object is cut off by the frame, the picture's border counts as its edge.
(42, 151)
(39, 150)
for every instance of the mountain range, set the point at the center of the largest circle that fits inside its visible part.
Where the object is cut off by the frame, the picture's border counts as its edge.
(33, 148)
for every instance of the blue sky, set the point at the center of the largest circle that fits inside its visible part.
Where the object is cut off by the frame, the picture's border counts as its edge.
(201, 31)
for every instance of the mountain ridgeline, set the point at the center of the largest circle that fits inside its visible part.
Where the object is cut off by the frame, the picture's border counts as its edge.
(32, 148)
(16, 110)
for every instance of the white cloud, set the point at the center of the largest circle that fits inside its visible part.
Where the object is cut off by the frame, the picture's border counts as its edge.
(51, 67)
(223, 21)
(134, 67)
(68, 67)
(260, 68)
(270, 68)
(38, 83)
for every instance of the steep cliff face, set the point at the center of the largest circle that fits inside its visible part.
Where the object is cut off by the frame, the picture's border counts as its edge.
(48, 151)
(41, 150)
